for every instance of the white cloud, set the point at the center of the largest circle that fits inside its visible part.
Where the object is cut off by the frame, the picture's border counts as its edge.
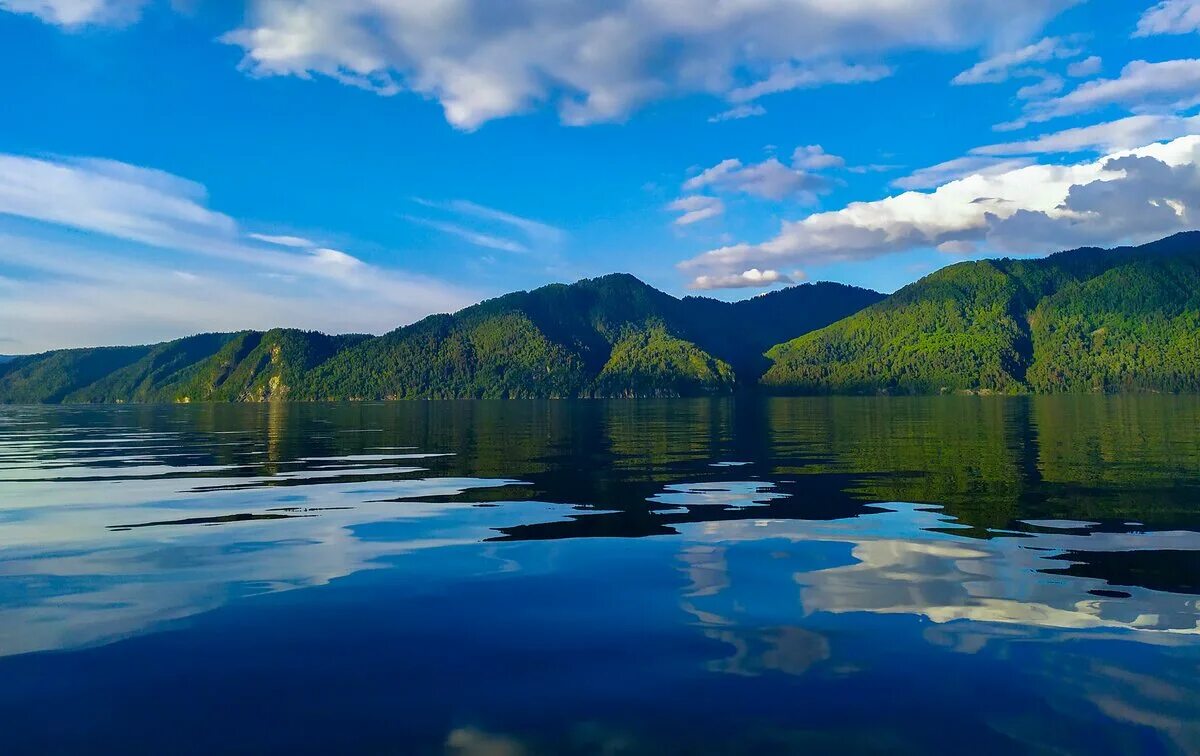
(1129, 196)
(1141, 87)
(813, 157)
(1049, 85)
(75, 13)
(958, 248)
(1002, 66)
(598, 60)
(168, 238)
(283, 241)
(738, 112)
(753, 278)
(696, 208)
(478, 238)
(958, 168)
(493, 229)
(533, 229)
(1170, 17)
(873, 168)
(72, 295)
(1122, 134)
(113, 198)
(789, 77)
(1089, 66)
(769, 179)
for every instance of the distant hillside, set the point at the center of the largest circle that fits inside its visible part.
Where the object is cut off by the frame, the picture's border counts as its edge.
(1088, 320)
(244, 366)
(610, 336)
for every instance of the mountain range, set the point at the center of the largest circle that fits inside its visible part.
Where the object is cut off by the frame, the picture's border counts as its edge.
(1087, 320)
(606, 337)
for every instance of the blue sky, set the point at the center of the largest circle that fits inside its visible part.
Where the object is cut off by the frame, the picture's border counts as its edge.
(172, 167)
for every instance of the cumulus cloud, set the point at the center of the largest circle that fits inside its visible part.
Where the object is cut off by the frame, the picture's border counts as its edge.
(813, 157)
(76, 13)
(598, 60)
(769, 179)
(1129, 196)
(1141, 87)
(1170, 17)
(1001, 67)
(696, 208)
(181, 265)
(1121, 134)
(753, 278)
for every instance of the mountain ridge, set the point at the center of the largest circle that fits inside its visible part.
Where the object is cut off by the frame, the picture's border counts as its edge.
(608, 336)
(1083, 320)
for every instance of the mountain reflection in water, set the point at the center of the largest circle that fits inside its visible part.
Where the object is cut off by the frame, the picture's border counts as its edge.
(869, 574)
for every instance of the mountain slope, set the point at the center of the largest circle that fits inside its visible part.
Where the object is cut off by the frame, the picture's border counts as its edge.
(609, 336)
(49, 377)
(1084, 320)
(244, 366)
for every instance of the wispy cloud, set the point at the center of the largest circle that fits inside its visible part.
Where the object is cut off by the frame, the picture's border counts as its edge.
(958, 168)
(738, 112)
(1002, 66)
(788, 77)
(1121, 134)
(696, 208)
(177, 257)
(474, 237)
(533, 229)
(77, 13)
(490, 228)
(1166, 86)
(295, 242)
(1089, 66)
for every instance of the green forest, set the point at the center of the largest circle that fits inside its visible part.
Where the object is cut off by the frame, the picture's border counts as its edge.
(606, 337)
(1083, 321)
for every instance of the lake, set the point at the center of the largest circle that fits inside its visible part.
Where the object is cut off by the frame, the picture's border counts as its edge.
(955, 574)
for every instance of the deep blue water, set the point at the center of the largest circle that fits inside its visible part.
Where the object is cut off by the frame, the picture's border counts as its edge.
(955, 574)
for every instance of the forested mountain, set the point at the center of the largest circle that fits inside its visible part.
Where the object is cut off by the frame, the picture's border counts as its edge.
(1087, 320)
(243, 366)
(610, 336)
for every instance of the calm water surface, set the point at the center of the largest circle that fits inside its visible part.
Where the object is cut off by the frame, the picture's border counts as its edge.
(953, 574)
